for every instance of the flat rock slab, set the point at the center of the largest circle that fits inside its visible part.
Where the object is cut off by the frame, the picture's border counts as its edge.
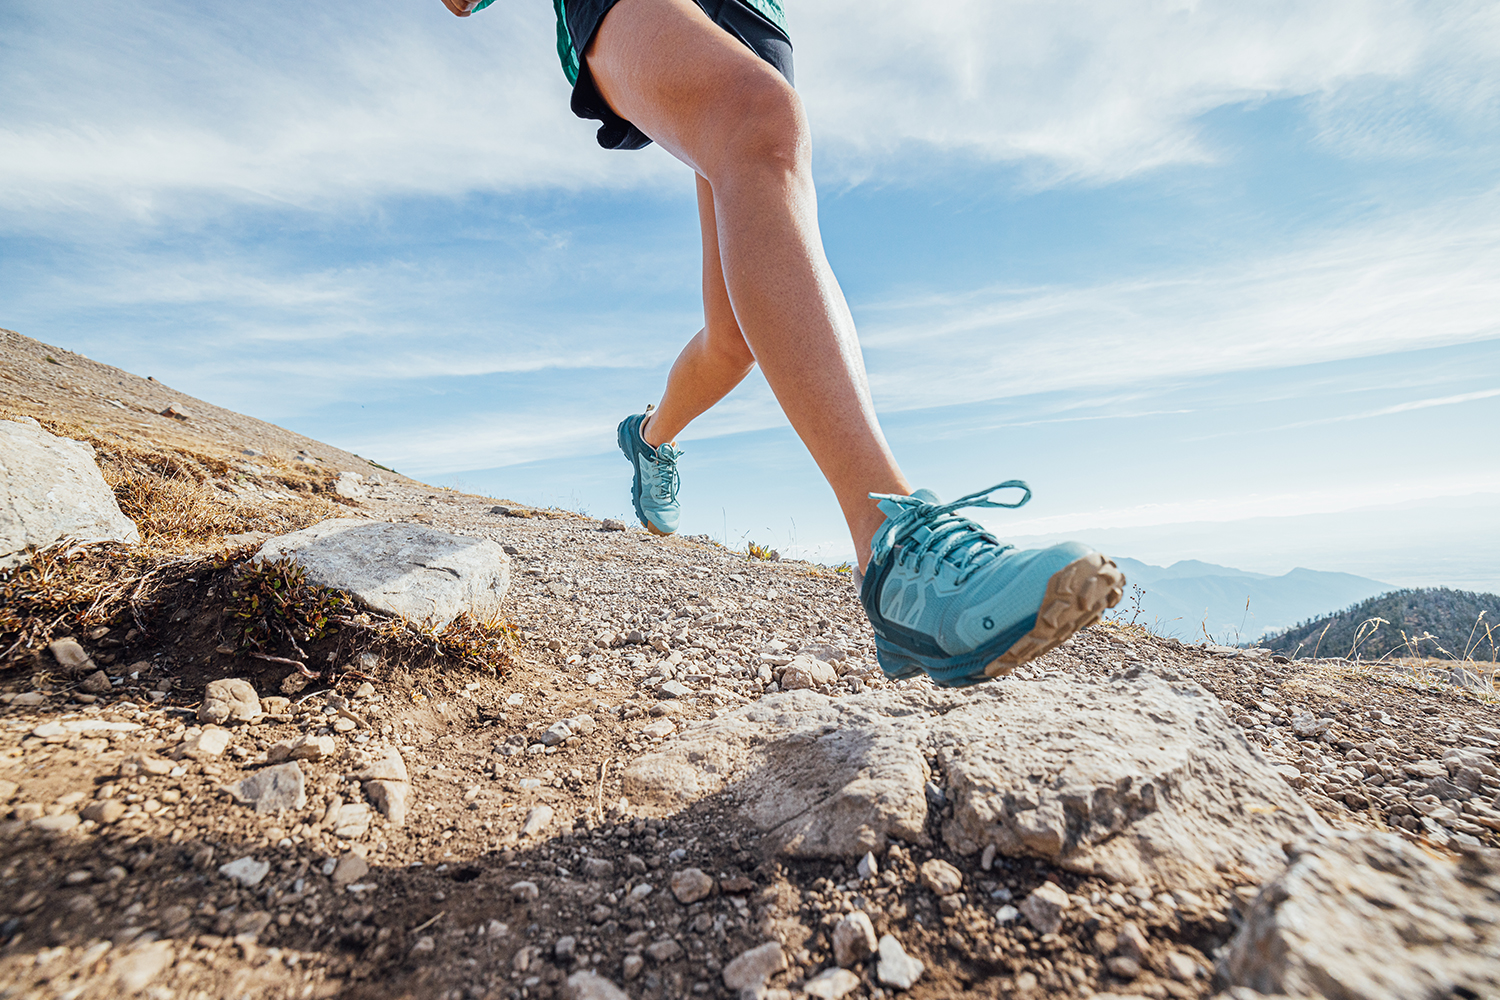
(1367, 916)
(825, 777)
(1138, 781)
(425, 575)
(272, 789)
(247, 871)
(1135, 779)
(50, 489)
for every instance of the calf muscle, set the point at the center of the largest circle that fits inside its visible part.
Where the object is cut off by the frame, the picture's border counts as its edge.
(708, 100)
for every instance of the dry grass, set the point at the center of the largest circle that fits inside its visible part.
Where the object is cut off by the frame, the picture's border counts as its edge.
(754, 550)
(481, 645)
(1128, 618)
(1462, 673)
(1133, 631)
(274, 606)
(180, 501)
(65, 588)
(1472, 678)
(185, 500)
(181, 514)
(269, 608)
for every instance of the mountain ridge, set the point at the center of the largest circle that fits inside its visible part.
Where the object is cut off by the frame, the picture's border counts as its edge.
(1418, 621)
(1194, 598)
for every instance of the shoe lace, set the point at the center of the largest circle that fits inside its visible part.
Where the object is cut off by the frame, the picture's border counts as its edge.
(934, 529)
(665, 488)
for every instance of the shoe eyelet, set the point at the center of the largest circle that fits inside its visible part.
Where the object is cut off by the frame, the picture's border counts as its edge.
(989, 623)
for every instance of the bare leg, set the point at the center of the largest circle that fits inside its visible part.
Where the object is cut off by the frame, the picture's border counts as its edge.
(714, 361)
(716, 106)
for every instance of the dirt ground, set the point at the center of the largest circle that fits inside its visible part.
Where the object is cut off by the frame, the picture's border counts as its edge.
(521, 862)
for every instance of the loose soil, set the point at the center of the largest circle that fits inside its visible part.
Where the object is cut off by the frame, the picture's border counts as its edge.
(457, 903)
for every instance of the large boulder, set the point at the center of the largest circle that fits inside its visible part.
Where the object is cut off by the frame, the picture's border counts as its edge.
(419, 573)
(1367, 916)
(51, 489)
(1134, 779)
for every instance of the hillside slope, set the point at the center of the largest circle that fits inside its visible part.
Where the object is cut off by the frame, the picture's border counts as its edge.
(579, 776)
(56, 386)
(1455, 623)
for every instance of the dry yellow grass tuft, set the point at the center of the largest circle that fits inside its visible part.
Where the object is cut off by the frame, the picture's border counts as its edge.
(65, 588)
(185, 500)
(755, 550)
(1128, 630)
(181, 514)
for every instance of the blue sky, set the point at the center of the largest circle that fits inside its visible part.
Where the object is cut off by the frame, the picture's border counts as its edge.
(1222, 281)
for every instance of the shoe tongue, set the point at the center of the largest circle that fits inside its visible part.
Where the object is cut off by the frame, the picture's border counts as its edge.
(891, 509)
(666, 451)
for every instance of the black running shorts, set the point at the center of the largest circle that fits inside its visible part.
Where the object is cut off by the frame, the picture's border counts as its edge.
(757, 23)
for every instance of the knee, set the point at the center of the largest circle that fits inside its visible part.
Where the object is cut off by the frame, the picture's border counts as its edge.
(764, 128)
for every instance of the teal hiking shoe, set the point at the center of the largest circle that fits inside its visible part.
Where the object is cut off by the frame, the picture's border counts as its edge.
(947, 599)
(654, 491)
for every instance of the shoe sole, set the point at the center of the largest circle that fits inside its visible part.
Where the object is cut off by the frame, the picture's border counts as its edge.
(1076, 597)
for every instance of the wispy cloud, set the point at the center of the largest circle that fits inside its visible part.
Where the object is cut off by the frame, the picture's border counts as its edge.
(169, 107)
(1388, 411)
(258, 317)
(1101, 89)
(1287, 503)
(1425, 404)
(1426, 280)
(486, 440)
(1394, 286)
(166, 106)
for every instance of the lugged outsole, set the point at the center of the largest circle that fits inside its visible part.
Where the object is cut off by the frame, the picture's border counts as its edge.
(1075, 597)
(654, 529)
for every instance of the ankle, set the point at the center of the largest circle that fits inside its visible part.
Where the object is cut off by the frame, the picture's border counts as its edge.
(863, 522)
(646, 434)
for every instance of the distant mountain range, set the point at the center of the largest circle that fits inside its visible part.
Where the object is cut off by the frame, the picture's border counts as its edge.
(1190, 598)
(1431, 621)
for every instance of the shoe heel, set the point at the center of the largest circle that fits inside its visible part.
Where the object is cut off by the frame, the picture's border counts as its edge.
(621, 440)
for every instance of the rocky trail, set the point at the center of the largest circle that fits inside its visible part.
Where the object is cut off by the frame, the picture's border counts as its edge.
(645, 767)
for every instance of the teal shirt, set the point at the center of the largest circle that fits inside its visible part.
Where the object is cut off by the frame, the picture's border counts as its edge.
(569, 55)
